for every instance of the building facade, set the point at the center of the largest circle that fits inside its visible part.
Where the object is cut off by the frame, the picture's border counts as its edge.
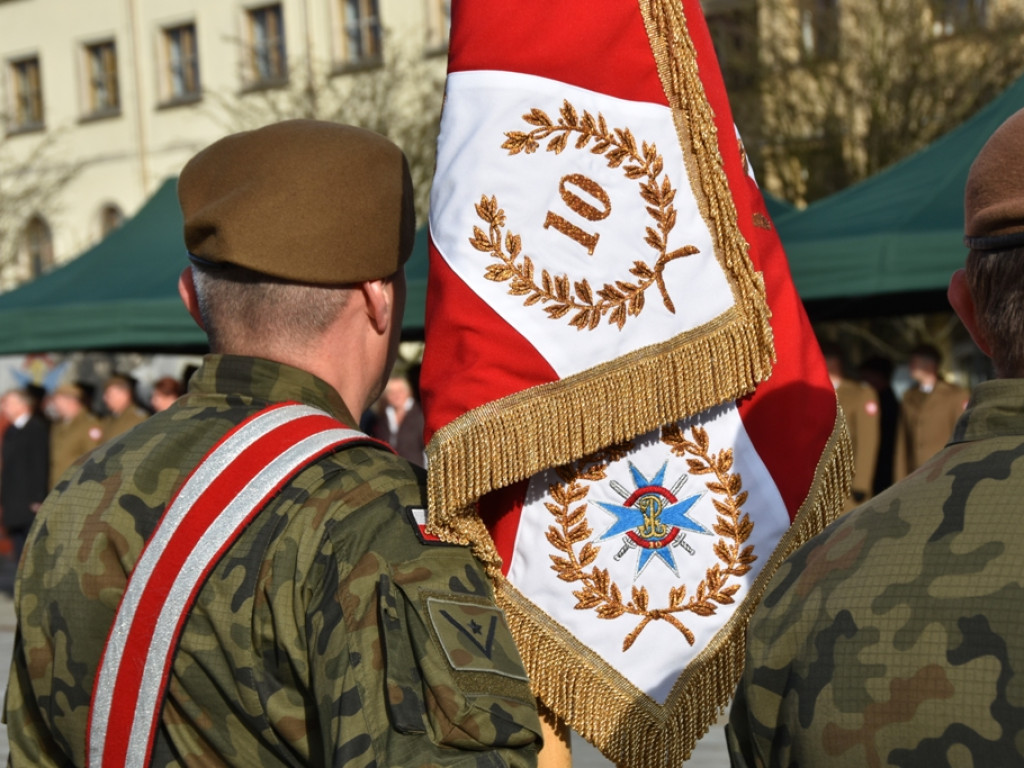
(102, 100)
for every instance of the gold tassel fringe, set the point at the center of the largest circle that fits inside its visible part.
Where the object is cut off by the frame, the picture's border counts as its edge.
(511, 439)
(553, 424)
(627, 727)
(518, 436)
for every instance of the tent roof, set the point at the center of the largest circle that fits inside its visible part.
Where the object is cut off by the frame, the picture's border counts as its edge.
(881, 244)
(123, 293)
(900, 231)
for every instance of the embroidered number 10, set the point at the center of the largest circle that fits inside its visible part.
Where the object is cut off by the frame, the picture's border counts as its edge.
(582, 207)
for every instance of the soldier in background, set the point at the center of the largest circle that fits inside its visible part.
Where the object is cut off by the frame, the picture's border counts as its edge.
(928, 412)
(399, 420)
(165, 391)
(896, 636)
(860, 406)
(74, 432)
(333, 630)
(876, 371)
(124, 412)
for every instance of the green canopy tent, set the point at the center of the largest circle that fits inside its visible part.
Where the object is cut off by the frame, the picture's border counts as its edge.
(885, 246)
(123, 293)
(889, 244)
(777, 207)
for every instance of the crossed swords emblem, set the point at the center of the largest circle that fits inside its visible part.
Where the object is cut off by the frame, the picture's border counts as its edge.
(653, 519)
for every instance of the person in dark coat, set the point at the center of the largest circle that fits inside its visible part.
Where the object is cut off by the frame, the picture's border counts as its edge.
(400, 421)
(877, 371)
(24, 465)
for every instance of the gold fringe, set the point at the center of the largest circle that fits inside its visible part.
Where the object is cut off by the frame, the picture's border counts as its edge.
(694, 118)
(513, 438)
(518, 436)
(629, 728)
(553, 424)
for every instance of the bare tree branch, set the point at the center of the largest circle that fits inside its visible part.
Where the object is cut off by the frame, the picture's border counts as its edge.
(29, 186)
(400, 98)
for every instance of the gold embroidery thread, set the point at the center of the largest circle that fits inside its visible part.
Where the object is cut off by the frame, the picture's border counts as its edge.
(598, 591)
(562, 295)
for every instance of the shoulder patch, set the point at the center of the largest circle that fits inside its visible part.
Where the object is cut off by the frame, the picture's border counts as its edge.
(474, 637)
(418, 519)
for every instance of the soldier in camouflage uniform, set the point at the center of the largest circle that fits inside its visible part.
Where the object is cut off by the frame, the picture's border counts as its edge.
(125, 413)
(74, 433)
(896, 637)
(333, 631)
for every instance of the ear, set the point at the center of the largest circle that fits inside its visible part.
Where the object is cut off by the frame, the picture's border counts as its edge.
(379, 295)
(187, 291)
(959, 295)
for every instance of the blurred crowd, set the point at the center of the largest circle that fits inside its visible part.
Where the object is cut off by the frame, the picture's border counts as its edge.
(892, 436)
(43, 433)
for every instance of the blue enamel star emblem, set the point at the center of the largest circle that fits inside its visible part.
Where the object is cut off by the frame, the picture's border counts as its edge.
(652, 518)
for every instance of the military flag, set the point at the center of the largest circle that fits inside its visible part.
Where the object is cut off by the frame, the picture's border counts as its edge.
(628, 415)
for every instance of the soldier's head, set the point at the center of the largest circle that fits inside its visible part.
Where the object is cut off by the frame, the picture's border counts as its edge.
(68, 401)
(118, 393)
(297, 234)
(165, 391)
(397, 392)
(16, 404)
(924, 363)
(988, 294)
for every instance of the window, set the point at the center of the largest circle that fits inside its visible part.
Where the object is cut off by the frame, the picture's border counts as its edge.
(104, 97)
(819, 29)
(734, 35)
(267, 62)
(181, 63)
(439, 21)
(952, 16)
(38, 242)
(111, 217)
(362, 32)
(28, 95)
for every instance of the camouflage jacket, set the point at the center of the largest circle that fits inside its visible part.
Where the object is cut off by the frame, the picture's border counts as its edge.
(896, 637)
(330, 633)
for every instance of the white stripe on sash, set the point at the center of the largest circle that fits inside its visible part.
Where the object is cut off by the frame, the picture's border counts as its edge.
(305, 441)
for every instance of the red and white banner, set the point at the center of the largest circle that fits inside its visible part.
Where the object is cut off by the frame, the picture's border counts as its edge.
(627, 410)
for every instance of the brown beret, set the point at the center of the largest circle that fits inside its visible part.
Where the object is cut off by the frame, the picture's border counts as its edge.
(120, 380)
(303, 200)
(994, 196)
(70, 390)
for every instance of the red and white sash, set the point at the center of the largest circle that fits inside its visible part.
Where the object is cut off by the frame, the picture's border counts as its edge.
(239, 475)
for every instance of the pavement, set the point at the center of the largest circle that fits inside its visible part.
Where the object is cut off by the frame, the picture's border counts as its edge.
(710, 751)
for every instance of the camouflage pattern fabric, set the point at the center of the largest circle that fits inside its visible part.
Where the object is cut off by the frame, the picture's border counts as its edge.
(329, 634)
(896, 637)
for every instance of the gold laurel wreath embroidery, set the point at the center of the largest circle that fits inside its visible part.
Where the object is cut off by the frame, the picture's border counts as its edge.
(599, 592)
(561, 294)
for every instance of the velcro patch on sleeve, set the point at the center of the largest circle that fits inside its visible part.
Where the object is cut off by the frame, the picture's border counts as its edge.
(475, 638)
